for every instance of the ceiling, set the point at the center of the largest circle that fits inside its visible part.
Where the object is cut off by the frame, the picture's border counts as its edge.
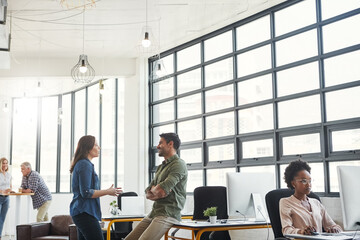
(46, 29)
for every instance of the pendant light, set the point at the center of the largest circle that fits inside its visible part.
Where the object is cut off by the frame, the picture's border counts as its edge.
(82, 72)
(146, 42)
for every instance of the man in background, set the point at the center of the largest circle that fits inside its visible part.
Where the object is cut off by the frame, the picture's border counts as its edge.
(32, 182)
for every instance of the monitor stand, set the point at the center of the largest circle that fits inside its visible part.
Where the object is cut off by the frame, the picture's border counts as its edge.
(258, 206)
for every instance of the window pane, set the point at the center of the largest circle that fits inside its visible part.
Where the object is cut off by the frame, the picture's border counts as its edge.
(298, 47)
(331, 8)
(188, 57)
(217, 177)
(48, 152)
(189, 81)
(221, 152)
(121, 133)
(220, 125)
(108, 135)
(317, 174)
(260, 169)
(162, 129)
(298, 79)
(66, 154)
(189, 106)
(254, 61)
(24, 135)
(195, 179)
(345, 140)
(80, 107)
(308, 143)
(342, 69)
(163, 89)
(218, 46)
(256, 119)
(269, 169)
(192, 155)
(219, 72)
(340, 104)
(190, 130)
(294, 17)
(334, 181)
(219, 98)
(299, 111)
(93, 118)
(258, 148)
(341, 34)
(255, 89)
(253, 32)
(163, 112)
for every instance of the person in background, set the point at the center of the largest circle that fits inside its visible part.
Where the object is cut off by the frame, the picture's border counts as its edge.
(5, 187)
(85, 206)
(300, 214)
(32, 182)
(167, 190)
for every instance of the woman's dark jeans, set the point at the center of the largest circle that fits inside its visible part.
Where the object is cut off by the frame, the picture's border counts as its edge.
(88, 227)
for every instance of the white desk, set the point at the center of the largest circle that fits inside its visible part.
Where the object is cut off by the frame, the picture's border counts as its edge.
(324, 236)
(202, 226)
(18, 208)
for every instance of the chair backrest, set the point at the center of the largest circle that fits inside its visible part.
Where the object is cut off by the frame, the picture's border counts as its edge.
(210, 196)
(60, 225)
(272, 199)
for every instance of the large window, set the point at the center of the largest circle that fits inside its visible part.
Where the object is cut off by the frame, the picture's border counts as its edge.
(280, 85)
(46, 131)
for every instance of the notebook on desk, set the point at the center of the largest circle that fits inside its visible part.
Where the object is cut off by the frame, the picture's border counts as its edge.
(132, 205)
(326, 236)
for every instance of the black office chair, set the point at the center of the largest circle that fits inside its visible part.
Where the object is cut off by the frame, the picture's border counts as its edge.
(272, 199)
(211, 196)
(122, 229)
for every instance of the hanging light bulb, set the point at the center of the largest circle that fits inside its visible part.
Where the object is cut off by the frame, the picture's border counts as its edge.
(83, 67)
(101, 87)
(159, 71)
(146, 41)
(6, 108)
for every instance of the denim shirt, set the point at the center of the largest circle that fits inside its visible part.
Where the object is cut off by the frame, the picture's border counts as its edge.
(84, 182)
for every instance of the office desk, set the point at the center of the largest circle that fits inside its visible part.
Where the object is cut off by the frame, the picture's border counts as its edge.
(345, 236)
(17, 207)
(126, 218)
(202, 226)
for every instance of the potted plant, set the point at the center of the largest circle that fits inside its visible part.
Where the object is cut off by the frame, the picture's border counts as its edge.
(211, 213)
(113, 207)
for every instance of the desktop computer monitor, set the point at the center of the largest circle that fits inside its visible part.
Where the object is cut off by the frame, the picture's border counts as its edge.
(349, 179)
(132, 205)
(246, 194)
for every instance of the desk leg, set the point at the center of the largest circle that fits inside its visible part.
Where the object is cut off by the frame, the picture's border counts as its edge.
(28, 208)
(199, 233)
(17, 212)
(166, 235)
(108, 233)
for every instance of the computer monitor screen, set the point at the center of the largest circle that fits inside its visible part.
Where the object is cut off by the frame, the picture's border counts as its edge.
(132, 205)
(349, 179)
(241, 186)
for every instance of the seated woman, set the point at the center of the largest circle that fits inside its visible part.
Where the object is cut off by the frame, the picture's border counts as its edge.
(300, 214)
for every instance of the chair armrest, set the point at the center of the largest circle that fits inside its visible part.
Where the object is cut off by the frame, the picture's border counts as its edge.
(32, 230)
(72, 232)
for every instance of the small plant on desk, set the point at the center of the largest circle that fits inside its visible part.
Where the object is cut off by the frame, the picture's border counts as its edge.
(113, 207)
(211, 213)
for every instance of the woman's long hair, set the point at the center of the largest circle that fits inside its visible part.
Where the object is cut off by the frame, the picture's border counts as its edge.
(1, 161)
(85, 144)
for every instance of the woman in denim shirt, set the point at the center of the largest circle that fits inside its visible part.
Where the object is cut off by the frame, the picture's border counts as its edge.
(85, 206)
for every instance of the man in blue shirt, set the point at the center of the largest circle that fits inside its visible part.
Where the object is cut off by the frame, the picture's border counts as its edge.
(32, 182)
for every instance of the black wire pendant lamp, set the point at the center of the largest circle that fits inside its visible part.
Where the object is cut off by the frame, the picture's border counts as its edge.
(82, 72)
